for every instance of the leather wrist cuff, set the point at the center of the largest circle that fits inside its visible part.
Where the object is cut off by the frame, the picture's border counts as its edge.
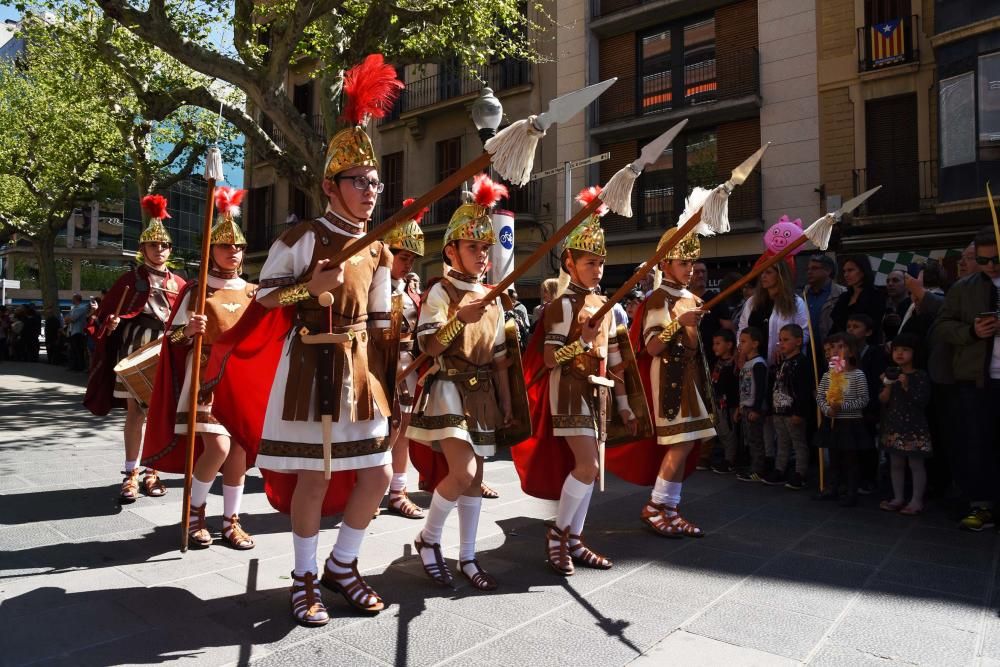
(293, 294)
(449, 332)
(178, 337)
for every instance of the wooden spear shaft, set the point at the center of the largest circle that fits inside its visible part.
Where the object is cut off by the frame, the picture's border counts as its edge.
(206, 249)
(521, 268)
(768, 263)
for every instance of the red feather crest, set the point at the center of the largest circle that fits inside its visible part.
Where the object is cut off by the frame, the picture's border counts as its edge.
(588, 195)
(419, 215)
(371, 89)
(486, 192)
(228, 200)
(155, 206)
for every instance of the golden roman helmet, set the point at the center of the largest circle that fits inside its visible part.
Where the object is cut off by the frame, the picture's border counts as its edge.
(688, 248)
(589, 235)
(471, 221)
(227, 203)
(155, 207)
(371, 89)
(408, 235)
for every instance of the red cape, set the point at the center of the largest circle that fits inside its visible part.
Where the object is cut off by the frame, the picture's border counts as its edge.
(543, 460)
(639, 461)
(99, 398)
(240, 373)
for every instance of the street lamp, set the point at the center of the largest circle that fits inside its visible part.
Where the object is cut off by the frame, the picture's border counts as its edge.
(487, 112)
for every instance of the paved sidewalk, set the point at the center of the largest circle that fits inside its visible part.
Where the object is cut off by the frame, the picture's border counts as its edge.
(779, 580)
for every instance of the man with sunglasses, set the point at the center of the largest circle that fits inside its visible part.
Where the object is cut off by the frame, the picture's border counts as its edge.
(133, 314)
(969, 323)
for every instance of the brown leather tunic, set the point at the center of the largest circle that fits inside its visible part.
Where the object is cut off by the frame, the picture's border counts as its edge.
(574, 385)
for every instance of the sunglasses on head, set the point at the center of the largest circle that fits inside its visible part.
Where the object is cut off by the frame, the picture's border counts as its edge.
(983, 261)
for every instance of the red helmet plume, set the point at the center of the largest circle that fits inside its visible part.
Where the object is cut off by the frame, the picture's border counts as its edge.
(228, 200)
(588, 195)
(155, 206)
(419, 215)
(486, 192)
(371, 88)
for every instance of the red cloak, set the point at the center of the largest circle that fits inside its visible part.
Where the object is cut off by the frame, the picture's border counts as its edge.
(639, 461)
(99, 398)
(240, 373)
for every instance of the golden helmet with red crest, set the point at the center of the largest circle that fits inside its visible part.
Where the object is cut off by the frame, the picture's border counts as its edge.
(155, 206)
(471, 221)
(589, 235)
(227, 205)
(408, 235)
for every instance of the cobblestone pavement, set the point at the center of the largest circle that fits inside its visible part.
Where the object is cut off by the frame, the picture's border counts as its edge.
(778, 580)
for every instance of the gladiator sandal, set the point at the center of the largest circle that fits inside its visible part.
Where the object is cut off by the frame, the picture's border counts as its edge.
(654, 517)
(481, 579)
(558, 556)
(130, 487)
(151, 484)
(307, 604)
(585, 556)
(438, 571)
(352, 587)
(400, 503)
(233, 532)
(198, 534)
(685, 527)
(488, 491)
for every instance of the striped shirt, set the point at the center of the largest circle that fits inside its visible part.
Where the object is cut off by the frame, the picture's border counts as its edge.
(855, 395)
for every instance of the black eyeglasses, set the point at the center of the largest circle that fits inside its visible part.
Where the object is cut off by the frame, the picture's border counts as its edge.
(983, 261)
(363, 183)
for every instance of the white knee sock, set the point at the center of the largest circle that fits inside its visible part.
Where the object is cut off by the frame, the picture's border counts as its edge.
(130, 466)
(469, 508)
(437, 514)
(576, 526)
(232, 497)
(346, 549)
(673, 493)
(199, 491)
(398, 482)
(573, 492)
(305, 553)
(659, 494)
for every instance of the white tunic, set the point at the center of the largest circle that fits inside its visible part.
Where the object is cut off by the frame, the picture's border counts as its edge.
(284, 262)
(409, 327)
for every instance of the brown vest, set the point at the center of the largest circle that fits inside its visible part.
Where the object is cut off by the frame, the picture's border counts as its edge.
(574, 384)
(349, 313)
(474, 345)
(682, 369)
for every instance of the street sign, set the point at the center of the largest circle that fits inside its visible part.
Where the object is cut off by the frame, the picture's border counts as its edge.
(571, 165)
(548, 172)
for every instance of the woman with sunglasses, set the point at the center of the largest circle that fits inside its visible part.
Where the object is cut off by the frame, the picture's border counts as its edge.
(146, 295)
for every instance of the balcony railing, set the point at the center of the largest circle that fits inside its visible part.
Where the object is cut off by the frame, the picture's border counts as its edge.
(725, 77)
(451, 83)
(315, 122)
(906, 188)
(888, 44)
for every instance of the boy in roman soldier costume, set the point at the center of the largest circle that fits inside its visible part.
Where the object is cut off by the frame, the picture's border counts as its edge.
(133, 314)
(318, 361)
(227, 298)
(467, 396)
(406, 243)
(679, 390)
(584, 369)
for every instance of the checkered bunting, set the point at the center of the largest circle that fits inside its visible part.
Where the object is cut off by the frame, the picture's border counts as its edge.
(888, 262)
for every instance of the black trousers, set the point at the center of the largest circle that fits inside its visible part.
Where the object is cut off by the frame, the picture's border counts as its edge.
(977, 442)
(77, 348)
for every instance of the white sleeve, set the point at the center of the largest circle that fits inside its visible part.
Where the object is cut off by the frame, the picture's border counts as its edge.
(286, 266)
(380, 297)
(500, 342)
(744, 318)
(433, 312)
(559, 333)
(802, 319)
(181, 318)
(653, 321)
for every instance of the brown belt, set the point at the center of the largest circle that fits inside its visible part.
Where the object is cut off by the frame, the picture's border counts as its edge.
(473, 379)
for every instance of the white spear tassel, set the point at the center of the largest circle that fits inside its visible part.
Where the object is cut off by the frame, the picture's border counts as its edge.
(513, 150)
(715, 213)
(698, 200)
(213, 165)
(617, 192)
(819, 231)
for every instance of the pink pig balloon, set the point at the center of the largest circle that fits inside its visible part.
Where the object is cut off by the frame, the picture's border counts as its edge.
(782, 233)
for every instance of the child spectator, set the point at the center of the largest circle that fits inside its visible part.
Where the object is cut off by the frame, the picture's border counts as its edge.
(753, 390)
(792, 403)
(905, 433)
(872, 362)
(726, 388)
(842, 395)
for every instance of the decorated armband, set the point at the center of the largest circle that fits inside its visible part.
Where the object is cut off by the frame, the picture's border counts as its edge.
(669, 331)
(568, 353)
(449, 332)
(178, 337)
(293, 294)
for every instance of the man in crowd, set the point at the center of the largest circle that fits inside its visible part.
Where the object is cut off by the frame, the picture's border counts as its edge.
(967, 262)
(77, 321)
(897, 302)
(713, 320)
(968, 322)
(821, 295)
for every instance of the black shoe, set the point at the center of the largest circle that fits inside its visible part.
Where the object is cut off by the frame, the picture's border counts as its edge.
(724, 468)
(796, 482)
(774, 478)
(829, 494)
(748, 477)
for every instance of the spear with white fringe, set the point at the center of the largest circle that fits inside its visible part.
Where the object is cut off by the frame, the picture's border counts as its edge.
(617, 196)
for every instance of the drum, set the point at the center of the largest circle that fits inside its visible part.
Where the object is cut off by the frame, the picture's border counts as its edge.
(138, 372)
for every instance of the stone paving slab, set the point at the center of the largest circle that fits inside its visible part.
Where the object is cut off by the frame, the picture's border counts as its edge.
(778, 580)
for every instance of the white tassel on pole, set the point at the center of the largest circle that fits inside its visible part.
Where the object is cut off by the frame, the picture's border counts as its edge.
(513, 150)
(819, 232)
(213, 165)
(697, 200)
(715, 213)
(617, 192)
